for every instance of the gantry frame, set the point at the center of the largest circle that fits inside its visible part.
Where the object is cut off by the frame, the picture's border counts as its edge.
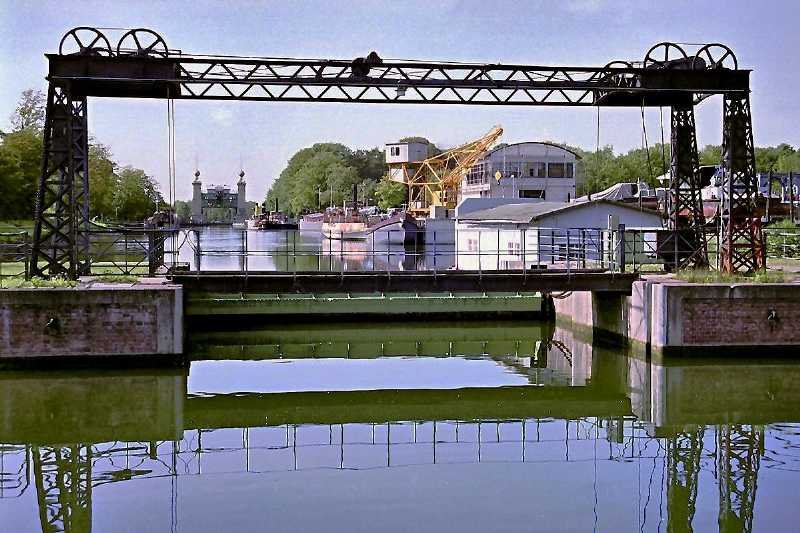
(141, 66)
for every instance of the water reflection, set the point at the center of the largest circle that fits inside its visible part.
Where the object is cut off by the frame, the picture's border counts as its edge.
(442, 440)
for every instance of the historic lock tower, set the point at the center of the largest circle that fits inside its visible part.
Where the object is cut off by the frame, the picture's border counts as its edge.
(218, 204)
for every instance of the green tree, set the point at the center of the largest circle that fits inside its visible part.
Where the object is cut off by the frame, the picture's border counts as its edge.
(366, 191)
(312, 178)
(341, 179)
(136, 196)
(324, 169)
(20, 152)
(391, 193)
(370, 164)
(103, 181)
(11, 181)
(129, 195)
(183, 210)
(30, 110)
(711, 154)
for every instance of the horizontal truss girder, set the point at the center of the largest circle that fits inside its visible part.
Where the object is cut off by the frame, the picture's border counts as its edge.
(397, 81)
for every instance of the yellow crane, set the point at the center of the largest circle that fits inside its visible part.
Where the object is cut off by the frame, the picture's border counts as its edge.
(438, 178)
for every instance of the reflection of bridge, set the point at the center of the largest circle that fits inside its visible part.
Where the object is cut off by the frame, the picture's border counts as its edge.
(122, 427)
(519, 339)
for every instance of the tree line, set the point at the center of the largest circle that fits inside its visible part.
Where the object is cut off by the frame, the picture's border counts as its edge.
(116, 193)
(323, 174)
(604, 168)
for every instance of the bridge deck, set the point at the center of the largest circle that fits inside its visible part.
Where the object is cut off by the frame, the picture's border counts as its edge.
(419, 281)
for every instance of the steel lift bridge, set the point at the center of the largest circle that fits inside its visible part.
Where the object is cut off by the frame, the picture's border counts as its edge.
(140, 65)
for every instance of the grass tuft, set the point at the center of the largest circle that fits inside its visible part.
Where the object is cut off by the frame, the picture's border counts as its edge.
(36, 283)
(715, 276)
(113, 278)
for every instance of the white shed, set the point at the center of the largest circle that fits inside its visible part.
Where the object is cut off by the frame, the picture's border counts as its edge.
(544, 232)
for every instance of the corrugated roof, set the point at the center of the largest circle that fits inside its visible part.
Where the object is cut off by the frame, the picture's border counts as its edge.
(524, 213)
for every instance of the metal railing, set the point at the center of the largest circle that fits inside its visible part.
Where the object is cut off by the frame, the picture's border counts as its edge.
(140, 251)
(524, 250)
(15, 252)
(131, 251)
(782, 243)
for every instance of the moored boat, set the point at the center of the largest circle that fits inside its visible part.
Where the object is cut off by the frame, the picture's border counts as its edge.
(344, 225)
(400, 228)
(276, 221)
(311, 222)
(270, 220)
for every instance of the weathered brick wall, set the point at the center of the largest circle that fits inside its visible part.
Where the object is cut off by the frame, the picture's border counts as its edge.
(740, 321)
(109, 321)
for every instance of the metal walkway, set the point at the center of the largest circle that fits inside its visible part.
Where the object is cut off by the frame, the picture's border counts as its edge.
(421, 281)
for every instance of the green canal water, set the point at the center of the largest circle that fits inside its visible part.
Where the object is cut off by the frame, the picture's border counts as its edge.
(442, 426)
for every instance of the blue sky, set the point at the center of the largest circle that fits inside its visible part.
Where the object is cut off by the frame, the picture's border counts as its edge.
(264, 135)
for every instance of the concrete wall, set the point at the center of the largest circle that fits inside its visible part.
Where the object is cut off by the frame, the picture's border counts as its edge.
(598, 315)
(668, 316)
(685, 315)
(102, 320)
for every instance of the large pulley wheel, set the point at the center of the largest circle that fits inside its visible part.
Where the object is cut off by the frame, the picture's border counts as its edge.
(85, 41)
(141, 42)
(619, 79)
(664, 55)
(715, 56)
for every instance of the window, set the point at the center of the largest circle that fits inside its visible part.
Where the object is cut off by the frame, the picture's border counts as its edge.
(514, 248)
(531, 193)
(537, 170)
(511, 170)
(477, 175)
(559, 170)
(472, 245)
(394, 151)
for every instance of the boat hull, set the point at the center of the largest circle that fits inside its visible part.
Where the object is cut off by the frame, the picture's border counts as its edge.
(345, 231)
(400, 230)
(273, 226)
(310, 225)
(395, 233)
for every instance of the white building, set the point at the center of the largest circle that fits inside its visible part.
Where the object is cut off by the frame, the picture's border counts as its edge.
(402, 159)
(525, 170)
(509, 235)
